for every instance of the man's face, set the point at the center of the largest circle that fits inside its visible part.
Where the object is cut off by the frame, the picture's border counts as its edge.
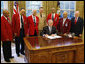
(41, 10)
(50, 23)
(65, 15)
(76, 14)
(53, 10)
(34, 13)
(22, 12)
(6, 14)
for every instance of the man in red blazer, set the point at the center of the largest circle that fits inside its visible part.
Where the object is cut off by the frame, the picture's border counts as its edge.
(6, 35)
(64, 24)
(33, 21)
(54, 16)
(20, 29)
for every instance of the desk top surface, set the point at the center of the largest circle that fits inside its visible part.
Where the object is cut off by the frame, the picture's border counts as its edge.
(40, 42)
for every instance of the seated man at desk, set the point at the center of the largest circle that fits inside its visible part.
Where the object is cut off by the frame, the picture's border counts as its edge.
(49, 30)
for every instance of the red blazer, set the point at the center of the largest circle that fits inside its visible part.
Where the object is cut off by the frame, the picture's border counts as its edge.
(56, 19)
(66, 27)
(6, 30)
(32, 28)
(16, 24)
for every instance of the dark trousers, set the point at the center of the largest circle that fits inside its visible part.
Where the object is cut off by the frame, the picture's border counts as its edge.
(19, 41)
(6, 49)
(35, 34)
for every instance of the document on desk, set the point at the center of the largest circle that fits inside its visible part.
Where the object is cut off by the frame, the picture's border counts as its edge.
(69, 35)
(54, 37)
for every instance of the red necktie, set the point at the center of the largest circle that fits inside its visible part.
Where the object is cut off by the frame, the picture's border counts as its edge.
(75, 20)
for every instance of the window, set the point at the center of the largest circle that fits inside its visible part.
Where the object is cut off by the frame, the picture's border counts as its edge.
(31, 5)
(4, 5)
(69, 6)
(1, 8)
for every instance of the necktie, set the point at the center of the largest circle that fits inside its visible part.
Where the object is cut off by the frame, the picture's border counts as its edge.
(34, 21)
(75, 20)
(41, 15)
(50, 29)
(52, 16)
(22, 21)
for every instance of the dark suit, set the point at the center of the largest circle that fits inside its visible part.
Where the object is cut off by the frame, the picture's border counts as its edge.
(21, 32)
(47, 31)
(78, 27)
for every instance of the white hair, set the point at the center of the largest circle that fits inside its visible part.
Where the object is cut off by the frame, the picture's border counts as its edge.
(50, 20)
(76, 12)
(65, 12)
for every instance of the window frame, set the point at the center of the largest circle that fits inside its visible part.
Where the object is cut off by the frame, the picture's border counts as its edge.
(32, 9)
(5, 6)
(69, 8)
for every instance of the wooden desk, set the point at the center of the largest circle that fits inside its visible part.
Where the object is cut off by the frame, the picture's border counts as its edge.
(61, 50)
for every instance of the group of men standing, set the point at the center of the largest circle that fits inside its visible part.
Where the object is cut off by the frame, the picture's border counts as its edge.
(34, 25)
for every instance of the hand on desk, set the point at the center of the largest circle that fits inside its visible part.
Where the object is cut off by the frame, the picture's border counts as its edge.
(53, 35)
(75, 37)
(7, 39)
(15, 34)
(27, 35)
(80, 35)
(65, 34)
(46, 35)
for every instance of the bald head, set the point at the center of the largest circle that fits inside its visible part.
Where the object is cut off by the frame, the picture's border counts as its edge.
(53, 10)
(65, 14)
(50, 22)
(6, 13)
(34, 12)
(22, 12)
(76, 13)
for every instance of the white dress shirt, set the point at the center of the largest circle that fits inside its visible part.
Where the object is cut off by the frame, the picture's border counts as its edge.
(64, 19)
(6, 18)
(50, 28)
(53, 14)
(33, 18)
(20, 21)
(77, 18)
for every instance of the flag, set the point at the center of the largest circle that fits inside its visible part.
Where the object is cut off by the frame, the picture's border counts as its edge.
(58, 8)
(15, 7)
(58, 4)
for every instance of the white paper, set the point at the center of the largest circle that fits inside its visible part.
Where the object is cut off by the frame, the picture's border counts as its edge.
(69, 35)
(53, 37)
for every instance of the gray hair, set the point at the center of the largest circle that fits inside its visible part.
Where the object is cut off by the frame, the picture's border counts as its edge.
(76, 11)
(50, 20)
(65, 12)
